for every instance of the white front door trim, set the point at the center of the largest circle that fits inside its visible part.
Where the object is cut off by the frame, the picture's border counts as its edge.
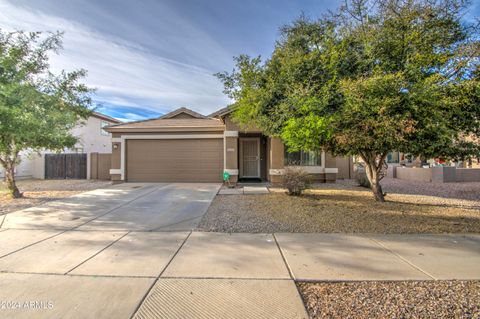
(257, 139)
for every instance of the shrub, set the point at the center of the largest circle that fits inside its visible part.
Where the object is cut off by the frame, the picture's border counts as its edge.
(295, 180)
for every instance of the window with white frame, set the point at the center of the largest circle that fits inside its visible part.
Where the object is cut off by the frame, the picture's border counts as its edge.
(393, 157)
(303, 158)
(102, 125)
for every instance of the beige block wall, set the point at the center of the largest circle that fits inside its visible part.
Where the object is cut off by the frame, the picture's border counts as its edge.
(468, 175)
(414, 173)
(100, 164)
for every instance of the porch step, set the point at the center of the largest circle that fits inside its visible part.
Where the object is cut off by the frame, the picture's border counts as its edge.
(245, 190)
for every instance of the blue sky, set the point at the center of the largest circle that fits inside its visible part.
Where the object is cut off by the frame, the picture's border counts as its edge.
(148, 57)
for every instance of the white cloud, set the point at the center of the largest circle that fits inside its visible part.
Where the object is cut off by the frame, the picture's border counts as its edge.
(123, 72)
(128, 117)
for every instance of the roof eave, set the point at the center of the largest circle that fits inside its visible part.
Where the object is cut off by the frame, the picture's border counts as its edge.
(106, 118)
(165, 129)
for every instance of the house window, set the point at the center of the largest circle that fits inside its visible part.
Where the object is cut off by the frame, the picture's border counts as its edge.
(303, 158)
(393, 157)
(103, 124)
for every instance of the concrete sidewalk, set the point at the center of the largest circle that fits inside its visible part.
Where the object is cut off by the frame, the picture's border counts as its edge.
(217, 275)
(108, 274)
(338, 257)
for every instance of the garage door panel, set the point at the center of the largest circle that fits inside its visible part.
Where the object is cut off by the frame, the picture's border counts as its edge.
(186, 160)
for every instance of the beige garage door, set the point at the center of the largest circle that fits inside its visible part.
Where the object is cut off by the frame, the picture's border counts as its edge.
(183, 160)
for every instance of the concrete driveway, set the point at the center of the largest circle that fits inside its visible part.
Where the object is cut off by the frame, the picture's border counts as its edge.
(130, 206)
(96, 254)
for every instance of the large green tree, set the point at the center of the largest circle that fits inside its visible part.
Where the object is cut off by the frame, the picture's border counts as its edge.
(38, 109)
(372, 78)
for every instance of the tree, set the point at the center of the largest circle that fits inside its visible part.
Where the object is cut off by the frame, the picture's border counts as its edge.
(372, 78)
(37, 108)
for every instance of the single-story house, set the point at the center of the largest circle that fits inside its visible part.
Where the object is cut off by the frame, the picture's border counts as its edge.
(185, 146)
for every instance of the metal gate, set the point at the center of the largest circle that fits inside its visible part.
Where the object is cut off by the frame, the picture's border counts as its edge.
(65, 166)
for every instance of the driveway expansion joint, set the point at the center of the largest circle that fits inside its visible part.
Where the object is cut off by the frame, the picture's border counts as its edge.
(98, 252)
(158, 277)
(37, 242)
(290, 272)
(402, 258)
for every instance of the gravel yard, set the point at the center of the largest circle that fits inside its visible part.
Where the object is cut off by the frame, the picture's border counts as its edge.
(39, 191)
(468, 191)
(407, 299)
(346, 208)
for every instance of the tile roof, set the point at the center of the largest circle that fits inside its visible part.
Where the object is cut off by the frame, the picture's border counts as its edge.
(183, 110)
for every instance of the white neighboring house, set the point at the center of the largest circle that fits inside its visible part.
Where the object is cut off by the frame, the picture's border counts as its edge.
(91, 138)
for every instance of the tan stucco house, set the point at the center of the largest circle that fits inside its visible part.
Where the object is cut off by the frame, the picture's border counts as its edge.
(184, 146)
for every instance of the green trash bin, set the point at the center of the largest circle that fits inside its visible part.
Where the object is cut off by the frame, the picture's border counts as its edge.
(226, 176)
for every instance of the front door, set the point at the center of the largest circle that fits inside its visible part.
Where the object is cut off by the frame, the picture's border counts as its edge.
(250, 157)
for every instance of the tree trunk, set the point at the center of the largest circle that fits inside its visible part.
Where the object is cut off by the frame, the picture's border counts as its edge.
(372, 171)
(10, 180)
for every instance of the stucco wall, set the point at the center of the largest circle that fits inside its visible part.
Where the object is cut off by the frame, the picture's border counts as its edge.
(100, 166)
(25, 169)
(345, 167)
(468, 174)
(414, 173)
(39, 166)
(231, 126)
(28, 166)
(438, 174)
(90, 137)
(330, 160)
(231, 152)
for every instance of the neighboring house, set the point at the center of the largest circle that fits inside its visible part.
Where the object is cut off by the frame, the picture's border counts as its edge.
(184, 146)
(91, 135)
(91, 138)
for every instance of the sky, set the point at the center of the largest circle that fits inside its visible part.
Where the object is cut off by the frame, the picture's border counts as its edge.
(148, 57)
